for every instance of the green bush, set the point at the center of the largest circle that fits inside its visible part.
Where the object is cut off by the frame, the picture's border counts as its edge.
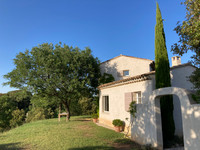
(48, 113)
(132, 109)
(12, 105)
(95, 116)
(18, 117)
(117, 122)
(35, 113)
(87, 105)
(7, 106)
(98, 111)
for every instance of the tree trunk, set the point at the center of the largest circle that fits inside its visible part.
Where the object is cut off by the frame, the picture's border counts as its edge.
(67, 109)
(59, 108)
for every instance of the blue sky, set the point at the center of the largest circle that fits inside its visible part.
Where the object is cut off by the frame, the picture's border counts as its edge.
(108, 27)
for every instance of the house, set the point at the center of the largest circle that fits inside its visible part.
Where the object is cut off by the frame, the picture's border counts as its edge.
(135, 81)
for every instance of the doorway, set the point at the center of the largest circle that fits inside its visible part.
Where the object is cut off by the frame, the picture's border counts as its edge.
(171, 120)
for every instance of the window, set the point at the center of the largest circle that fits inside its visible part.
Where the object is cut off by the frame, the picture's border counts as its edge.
(105, 103)
(126, 73)
(136, 96)
(132, 96)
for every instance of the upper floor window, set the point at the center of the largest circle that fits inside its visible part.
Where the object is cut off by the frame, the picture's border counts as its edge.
(105, 103)
(126, 73)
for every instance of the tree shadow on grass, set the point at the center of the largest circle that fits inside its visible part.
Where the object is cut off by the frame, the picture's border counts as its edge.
(119, 144)
(126, 144)
(127, 141)
(93, 148)
(82, 120)
(11, 146)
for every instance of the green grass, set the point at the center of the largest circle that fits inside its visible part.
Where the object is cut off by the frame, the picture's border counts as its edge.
(50, 134)
(78, 134)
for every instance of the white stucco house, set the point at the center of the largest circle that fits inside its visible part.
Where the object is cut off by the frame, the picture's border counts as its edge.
(135, 81)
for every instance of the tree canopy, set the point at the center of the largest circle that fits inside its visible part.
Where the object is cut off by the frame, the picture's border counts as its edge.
(106, 78)
(189, 38)
(60, 72)
(161, 57)
(189, 31)
(163, 79)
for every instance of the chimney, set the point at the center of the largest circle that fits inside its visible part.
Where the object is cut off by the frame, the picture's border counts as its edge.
(176, 60)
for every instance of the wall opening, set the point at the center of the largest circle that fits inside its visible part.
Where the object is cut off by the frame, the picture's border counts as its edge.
(190, 113)
(173, 112)
(178, 122)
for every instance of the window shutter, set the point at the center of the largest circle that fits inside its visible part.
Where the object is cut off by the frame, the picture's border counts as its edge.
(103, 103)
(128, 100)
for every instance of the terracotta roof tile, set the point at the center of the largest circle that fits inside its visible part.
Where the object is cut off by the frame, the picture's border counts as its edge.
(133, 79)
(138, 78)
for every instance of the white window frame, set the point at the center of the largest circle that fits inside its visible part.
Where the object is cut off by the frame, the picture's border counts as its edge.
(126, 71)
(138, 98)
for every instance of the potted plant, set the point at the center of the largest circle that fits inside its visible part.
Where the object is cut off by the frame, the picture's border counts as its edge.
(95, 117)
(118, 124)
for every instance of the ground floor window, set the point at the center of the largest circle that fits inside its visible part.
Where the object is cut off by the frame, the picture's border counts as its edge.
(136, 96)
(105, 103)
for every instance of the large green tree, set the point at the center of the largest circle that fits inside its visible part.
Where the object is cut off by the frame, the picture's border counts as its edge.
(106, 78)
(163, 77)
(62, 72)
(189, 38)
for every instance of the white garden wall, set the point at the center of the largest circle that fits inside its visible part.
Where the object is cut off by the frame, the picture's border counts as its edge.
(190, 118)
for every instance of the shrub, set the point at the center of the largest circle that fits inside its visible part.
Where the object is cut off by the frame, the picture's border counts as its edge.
(87, 105)
(117, 122)
(98, 111)
(35, 113)
(132, 109)
(7, 106)
(95, 116)
(48, 113)
(18, 117)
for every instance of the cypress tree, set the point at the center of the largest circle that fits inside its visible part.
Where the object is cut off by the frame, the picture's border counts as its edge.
(163, 79)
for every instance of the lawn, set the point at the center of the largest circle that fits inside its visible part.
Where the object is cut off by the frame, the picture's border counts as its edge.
(77, 134)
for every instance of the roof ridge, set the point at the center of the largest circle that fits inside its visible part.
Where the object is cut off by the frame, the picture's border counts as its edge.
(182, 65)
(126, 56)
